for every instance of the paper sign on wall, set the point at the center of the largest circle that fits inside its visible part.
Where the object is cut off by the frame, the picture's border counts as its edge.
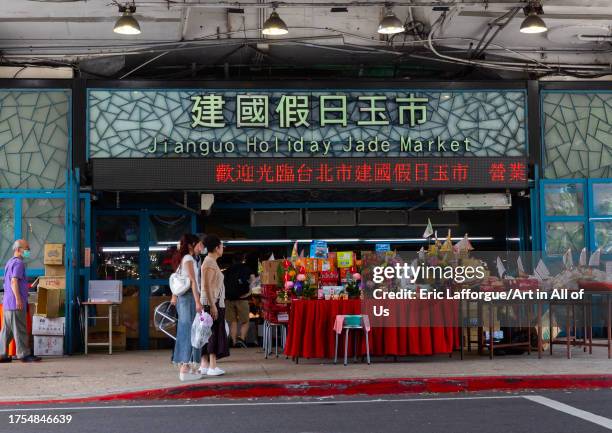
(318, 249)
(383, 247)
(345, 259)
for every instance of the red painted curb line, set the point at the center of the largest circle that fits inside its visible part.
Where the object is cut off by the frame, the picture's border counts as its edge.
(320, 388)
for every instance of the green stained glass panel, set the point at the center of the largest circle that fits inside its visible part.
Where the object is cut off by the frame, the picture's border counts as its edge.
(561, 236)
(603, 236)
(564, 199)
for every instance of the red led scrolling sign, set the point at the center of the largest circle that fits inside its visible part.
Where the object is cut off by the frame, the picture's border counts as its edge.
(340, 173)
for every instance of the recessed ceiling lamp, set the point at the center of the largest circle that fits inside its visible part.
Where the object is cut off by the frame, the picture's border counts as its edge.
(533, 23)
(274, 26)
(390, 24)
(127, 24)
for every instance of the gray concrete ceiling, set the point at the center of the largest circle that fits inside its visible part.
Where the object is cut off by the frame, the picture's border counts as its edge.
(181, 36)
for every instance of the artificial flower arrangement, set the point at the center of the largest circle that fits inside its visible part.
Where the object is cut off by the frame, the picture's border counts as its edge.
(294, 282)
(353, 284)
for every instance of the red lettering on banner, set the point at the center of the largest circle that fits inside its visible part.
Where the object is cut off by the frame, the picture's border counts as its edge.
(497, 172)
(460, 172)
(285, 173)
(344, 172)
(402, 172)
(363, 173)
(382, 172)
(265, 173)
(223, 173)
(440, 173)
(246, 173)
(518, 171)
(421, 172)
(304, 174)
(324, 173)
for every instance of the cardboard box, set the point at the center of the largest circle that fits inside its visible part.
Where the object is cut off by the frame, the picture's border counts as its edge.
(102, 311)
(270, 274)
(106, 291)
(128, 315)
(119, 338)
(55, 271)
(48, 345)
(45, 326)
(51, 302)
(54, 254)
(56, 283)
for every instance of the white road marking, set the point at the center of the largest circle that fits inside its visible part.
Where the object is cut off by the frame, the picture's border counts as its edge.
(570, 410)
(279, 403)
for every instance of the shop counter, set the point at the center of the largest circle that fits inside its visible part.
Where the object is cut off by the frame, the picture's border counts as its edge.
(12, 350)
(311, 334)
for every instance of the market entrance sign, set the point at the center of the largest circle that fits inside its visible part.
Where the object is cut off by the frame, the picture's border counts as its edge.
(216, 123)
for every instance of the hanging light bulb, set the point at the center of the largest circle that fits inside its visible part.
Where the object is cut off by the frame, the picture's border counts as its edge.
(274, 26)
(127, 24)
(390, 24)
(533, 24)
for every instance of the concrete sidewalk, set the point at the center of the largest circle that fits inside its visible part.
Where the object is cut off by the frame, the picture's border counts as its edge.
(103, 374)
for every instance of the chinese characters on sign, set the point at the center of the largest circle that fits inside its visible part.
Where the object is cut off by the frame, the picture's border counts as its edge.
(373, 172)
(294, 110)
(306, 122)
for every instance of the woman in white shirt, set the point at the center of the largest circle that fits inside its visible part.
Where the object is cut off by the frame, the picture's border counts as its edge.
(187, 305)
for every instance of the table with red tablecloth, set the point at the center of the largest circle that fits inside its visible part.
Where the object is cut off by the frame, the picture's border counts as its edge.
(12, 350)
(310, 331)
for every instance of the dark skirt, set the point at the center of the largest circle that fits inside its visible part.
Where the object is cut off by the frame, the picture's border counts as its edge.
(218, 343)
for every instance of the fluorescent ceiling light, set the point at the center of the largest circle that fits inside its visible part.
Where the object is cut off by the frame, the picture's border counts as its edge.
(120, 249)
(130, 249)
(258, 241)
(419, 240)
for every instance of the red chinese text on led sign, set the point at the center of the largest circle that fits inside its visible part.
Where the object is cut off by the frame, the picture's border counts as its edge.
(364, 173)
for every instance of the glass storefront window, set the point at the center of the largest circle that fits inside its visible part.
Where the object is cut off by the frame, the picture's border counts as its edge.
(159, 294)
(161, 264)
(564, 199)
(43, 221)
(128, 311)
(563, 235)
(602, 198)
(117, 228)
(7, 229)
(168, 228)
(117, 264)
(603, 236)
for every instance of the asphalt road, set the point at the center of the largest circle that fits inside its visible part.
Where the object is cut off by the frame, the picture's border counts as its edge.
(541, 412)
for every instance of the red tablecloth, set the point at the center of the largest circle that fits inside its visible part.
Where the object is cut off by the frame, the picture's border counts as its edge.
(12, 350)
(311, 335)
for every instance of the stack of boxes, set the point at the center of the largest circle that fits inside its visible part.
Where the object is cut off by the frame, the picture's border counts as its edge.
(48, 324)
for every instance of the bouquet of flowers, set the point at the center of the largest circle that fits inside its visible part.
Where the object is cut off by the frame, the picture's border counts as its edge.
(295, 282)
(353, 285)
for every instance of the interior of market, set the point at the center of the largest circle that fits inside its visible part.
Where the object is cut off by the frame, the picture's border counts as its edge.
(135, 235)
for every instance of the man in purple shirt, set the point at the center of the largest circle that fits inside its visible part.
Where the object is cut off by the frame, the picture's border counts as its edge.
(14, 308)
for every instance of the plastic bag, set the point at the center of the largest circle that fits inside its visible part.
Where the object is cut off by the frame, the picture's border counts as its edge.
(201, 329)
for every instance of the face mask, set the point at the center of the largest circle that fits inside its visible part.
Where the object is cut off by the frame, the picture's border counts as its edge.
(26, 254)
